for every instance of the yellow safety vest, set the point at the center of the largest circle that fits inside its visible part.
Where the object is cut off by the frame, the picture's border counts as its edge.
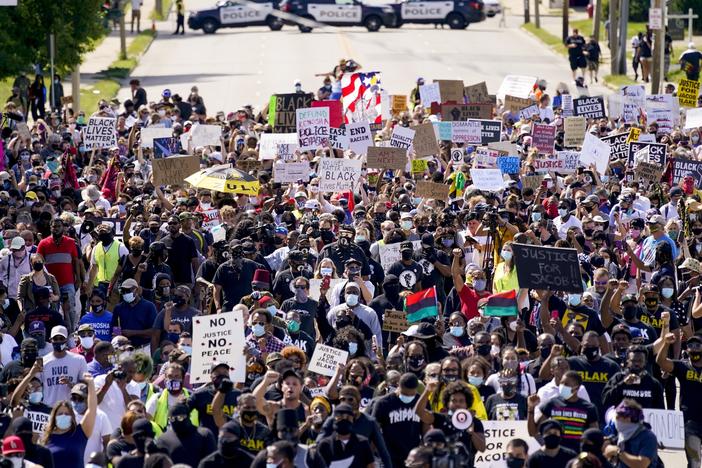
(106, 262)
(161, 413)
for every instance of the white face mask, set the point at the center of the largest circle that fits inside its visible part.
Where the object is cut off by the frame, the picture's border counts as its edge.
(352, 300)
(87, 342)
(128, 297)
(406, 225)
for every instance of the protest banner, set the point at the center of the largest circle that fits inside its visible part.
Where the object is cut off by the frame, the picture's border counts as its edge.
(633, 102)
(457, 155)
(451, 90)
(419, 165)
(443, 130)
(519, 86)
(571, 161)
(149, 133)
(476, 93)
(498, 434)
(595, 151)
(469, 131)
(390, 253)
(210, 219)
(338, 175)
(288, 151)
(551, 268)
(312, 128)
(668, 425)
(101, 132)
(664, 111)
(550, 164)
(401, 137)
(589, 107)
(291, 172)
(490, 131)
(117, 224)
(326, 359)
(206, 135)
(173, 170)
(399, 103)
(515, 104)
(164, 147)
(336, 118)
(543, 137)
(531, 181)
(688, 91)
(218, 338)
(395, 321)
(487, 179)
(386, 158)
(693, 118)
(485, 158)
(648, 172)
(657, 153)
(316, 287)
(282, 109)
(456, 112)
(618, 147)
(426, 189)
(685, 168)
(575, 128)
(425, 142)
(504, 147)
(508, 164)
(429, 93)
(268, 145)
(360, 137)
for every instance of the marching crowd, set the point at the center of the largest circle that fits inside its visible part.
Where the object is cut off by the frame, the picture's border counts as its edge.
(102, 274)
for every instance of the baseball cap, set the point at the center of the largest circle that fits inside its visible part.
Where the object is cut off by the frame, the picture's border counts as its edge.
(692, 264)
(142, 426)
(272, 358)
(129, 283)
(12, 444)
(80, 389)
(281, 230)
(406, 245)
(17, 243)
(656, 219)
(86, 327)
(629, 298)
(59, 330)
(216, 364)
(37, 327)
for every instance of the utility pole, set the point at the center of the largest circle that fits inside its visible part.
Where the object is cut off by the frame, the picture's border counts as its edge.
(597, 20)
(613, 36)
(527, 16)
(122, 32)
(656, 15)
(623, 24)
(537, 20)
(566, 6)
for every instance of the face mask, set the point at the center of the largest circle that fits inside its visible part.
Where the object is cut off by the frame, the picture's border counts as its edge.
(173, 385)
(352, 300)
(58, 347)
(38, 266)
(484, 350)
(506, 255)
(447, 242)
(510, 365)
(228, 447)
(271, 465)
(187, 349)
(552, 441)
(293, 326)
(651, 303)
(591, 353)
(514, 462)
(326, 271)
(457, 331)
(695, 356)
(358, 239)
(36, 397)
(562, 212)
(87, 342)
(508, 389)
(406, 225)
(574, 299)
(535, 217)
(406, 255)
(342, 322)
(353, 348)
(63, 421)
(415, 362)
(406, 399)
(343, 427)
(79, 407)
(565, 391)
(258, 330)
(272, 310)
(327, 236)
(479, 284)
(629, 313)
(475, 381)
(128, 297)
(625, 429)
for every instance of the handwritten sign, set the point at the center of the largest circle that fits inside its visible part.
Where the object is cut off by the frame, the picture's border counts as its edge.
(426, 189)
(443, 130)
(395, 321)
(419, 166)
(338, 138)
(390, 253)
(688, 91)
(173, 170)
(401, 137)
(648, 172)
(476, 93)
(399, 103)
(101, 132)
(291, 172)
(595, 151)
(575, 128)
(498, 434)
(508, 164)
(532, 181)
(425, 142)
(386, 158)
(451, 90)
(668, 425)
(326, 359)
(551, 268)
(218, 338)
(313, 128)
(487, 179)
(268, 144)
(429, 93)
(338, 175)
(204, 135)
(543, 137)
(468, 131)
(485, 158)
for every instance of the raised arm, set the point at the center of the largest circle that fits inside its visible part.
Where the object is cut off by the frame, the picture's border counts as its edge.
(88, 422)
(420, 408)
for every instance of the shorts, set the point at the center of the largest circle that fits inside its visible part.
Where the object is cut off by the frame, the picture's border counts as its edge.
(577, 62)
(593, 65)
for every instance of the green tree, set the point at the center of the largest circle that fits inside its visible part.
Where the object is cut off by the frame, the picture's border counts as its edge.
(26, 28)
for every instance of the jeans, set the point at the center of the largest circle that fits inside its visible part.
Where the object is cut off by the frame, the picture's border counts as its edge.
(68, 298)
(693, 443)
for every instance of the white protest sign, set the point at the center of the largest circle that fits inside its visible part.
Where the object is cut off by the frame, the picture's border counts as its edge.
(326, 359)
(101, 132)
(527, 112)
(567, 105)
(647, 138)
(516, 85)
(338, 138)
(210, 219)
(668, 425)
(286, 151)
(634, 102)
(130, 121)
(218, 338)
(390, 253)
(338, 175)
(401, 137)
(487, 179)
(218, 233)
(467, 132)
(39, 420)
(291, 172)
(316, 287)
(595, 151)
(429, 93)
(205, 135)
(485, 158)
(497, 435)
(693, 118)
(571, 161)
(268, 144)
(457, 155)
(149, 133)
(313, 127)
(360, 137)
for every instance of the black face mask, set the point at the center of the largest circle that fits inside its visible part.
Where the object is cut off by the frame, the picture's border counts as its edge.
(249, 416)
(105, 238)
(415, 362)
(27, 358)
(552, 441)
(514, 462)
(483, 350)
(629, 313)
(695, 356)
(342, 322)
(38, 266)
(137, 252)
(228, 447)
(545, 351)
(406, 255)
(343, 427)
(421, 229)
(591, 352)
(327, 236)
(391, 289)
(182, 427)
(154, 230)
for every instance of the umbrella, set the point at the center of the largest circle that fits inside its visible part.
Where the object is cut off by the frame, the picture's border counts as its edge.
(225, 178)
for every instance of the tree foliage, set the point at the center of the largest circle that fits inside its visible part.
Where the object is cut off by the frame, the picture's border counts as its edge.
(26, 28)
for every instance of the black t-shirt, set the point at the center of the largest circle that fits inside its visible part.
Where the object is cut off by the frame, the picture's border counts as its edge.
(201, 400)
(595, 376)
(690, 378)
(432, 276)
(539, 459)
(355, 452)
(308, 313)
(380, 304)
(216, 460)
(189, 448)
(402, 428)
(377, 274)
(281, 283)
(443, 421)
(501, 409)
(235, 283)
(181, 251)
(582, 314)
(40, 455)
(253, 439)
(655, 321)
(49, 317)
(208, 269)
(575, 416)
(648, 393)
(130, 461)
(118, 447)
(409, 275)
(648, 333)
(301, 340)
(579, 42)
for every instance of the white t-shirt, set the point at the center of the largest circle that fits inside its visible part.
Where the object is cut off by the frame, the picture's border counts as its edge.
(113, 402)
(8, 344)
(71, 365)
(562, 227)
(101, 429)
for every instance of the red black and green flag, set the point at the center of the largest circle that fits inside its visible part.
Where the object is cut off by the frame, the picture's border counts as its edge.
(421, 305)
(501, 304)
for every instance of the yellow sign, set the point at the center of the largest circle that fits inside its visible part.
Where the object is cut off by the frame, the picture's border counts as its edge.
(688, 90)
(634, 133)
(419, 165)
(399, 103)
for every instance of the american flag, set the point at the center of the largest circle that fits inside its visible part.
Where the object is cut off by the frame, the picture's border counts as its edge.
(360, 95)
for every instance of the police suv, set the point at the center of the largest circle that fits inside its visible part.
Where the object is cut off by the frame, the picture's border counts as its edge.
(458, 14)
(339, 13)
(233, 14)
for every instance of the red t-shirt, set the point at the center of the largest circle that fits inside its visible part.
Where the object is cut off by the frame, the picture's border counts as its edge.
(58, 258)
(469, 301)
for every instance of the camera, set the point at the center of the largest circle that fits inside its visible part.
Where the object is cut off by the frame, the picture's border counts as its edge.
(119, 374)
(490, 218)
(453, 456)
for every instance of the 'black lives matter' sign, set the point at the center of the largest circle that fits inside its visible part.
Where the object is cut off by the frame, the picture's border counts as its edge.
(282, 111)
(589, 107)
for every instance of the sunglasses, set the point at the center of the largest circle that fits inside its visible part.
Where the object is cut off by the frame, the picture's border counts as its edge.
(178, 418)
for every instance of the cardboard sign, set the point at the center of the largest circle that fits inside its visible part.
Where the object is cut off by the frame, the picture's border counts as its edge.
(688, 91)
(685, 168)
(218, 338)
(551, 268)
(282, 109)
(360, 137)
(490, 131)
(648, 172)
(476, 93)
(313, 128)
(543, 137)
(443, 130)
(595, 151)
(462, 112)
(668, 425)
(532, 181)
(519, 86)
(426, 189)
(485, 158)
(469, 132)
(164, 147)
(206, 135)
(515, 104)
(326, 359)
(425, 142)
(498, 434)
(399, 103)
(149, 133)
(336, 118)
(429, 93)
(268, 144)
(247, 165)
(618, 147)
(395, 321)
(589, 107)
(504, 147)
(489, 180)
(508, 164)
(451, 90)
(401, 137)
(338, 175)
(656, 153)
(291, 172)
(575, 128)
(634, 134)
(173, 170)
(419, 166)
(386, 158)
(101, 132)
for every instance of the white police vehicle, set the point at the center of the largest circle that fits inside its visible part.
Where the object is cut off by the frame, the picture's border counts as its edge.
(233, 14)
(458, 14)
(339, 13)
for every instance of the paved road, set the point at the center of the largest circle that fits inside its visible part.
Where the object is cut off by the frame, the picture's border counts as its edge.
(245, 66)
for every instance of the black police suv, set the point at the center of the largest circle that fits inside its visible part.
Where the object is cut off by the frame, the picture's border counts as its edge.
(233, 14)
(339, 13)
(458, 14)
